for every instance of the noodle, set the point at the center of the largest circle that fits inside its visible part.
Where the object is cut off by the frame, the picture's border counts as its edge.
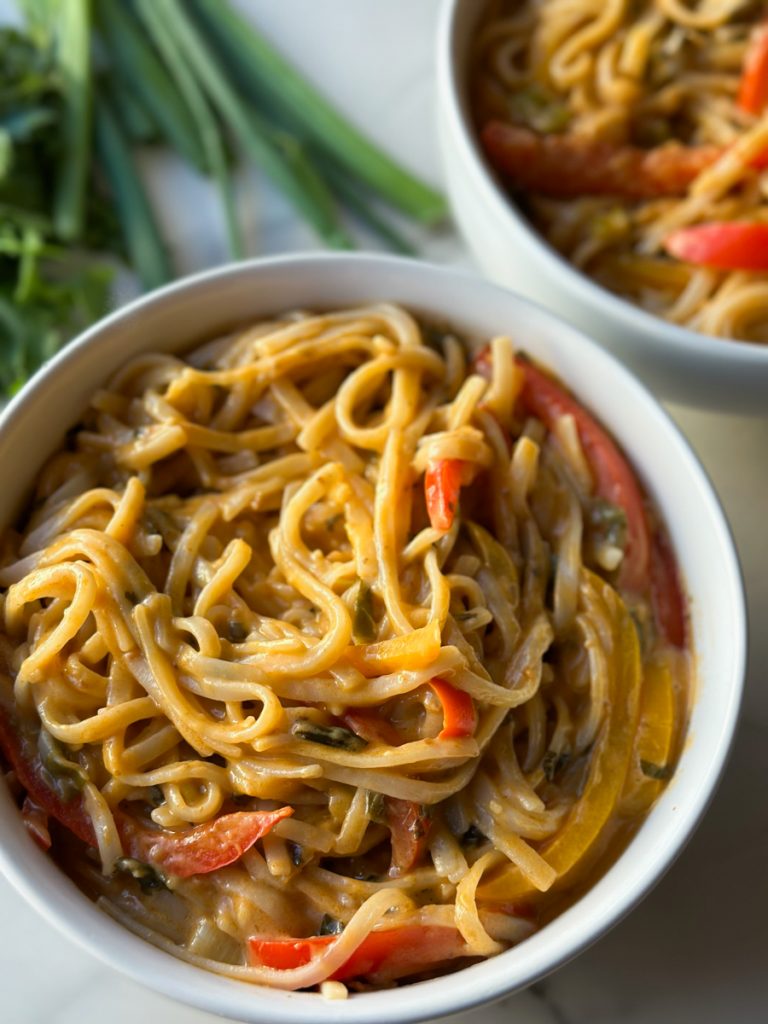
(319, 667)
(617, 124)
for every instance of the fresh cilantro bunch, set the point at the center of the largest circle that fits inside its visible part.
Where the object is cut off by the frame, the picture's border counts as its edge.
(50, 288)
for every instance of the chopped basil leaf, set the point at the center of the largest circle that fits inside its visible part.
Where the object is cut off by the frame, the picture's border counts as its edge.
(331, 926)
(656, 771)
(155, 796)
(537, 107)
(363, 625)
(608, 522)
(236, 631)
(328, 735)
(554, 762)
(473, 837)
(148, 878)
(67, 777)
(375, 808)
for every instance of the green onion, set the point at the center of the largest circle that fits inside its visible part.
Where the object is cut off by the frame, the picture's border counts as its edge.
(327, 735)
(279, 154)
(132, 114)
(74, 63)
(142, 236)
(352, 198)
(154, 16)
(265, 70)
(141, 70)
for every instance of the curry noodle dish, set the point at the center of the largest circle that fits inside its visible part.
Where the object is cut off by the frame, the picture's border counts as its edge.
(634, 135)
(333, 660)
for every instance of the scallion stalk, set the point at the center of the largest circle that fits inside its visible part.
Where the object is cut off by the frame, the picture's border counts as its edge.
(146, 252)
(73, 44)
(281, 156)
(154, 17)
(138, 64)
(259, 64)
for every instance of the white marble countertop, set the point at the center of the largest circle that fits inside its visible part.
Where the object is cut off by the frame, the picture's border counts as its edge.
(696, 950)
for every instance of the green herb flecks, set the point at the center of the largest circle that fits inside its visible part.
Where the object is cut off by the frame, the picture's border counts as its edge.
(539, 108)
(330, 926)
(67, 777)
(662, 772)
(363, 624)
(553, 763)
(148, 877)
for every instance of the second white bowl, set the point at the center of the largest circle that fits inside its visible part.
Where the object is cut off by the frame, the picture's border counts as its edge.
(676, 363)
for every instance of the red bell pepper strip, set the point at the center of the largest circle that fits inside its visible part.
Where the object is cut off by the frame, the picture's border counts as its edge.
(666, 594)
(198, 850)
(647, 559)
(614, 480)
(442, 483)
(369, 725)
(567, 166)
(725, 245)
(194, 851)
(20, 749)
(394, 953)
(36, 820)
(753, 88)
(409, 825)
(459, 718)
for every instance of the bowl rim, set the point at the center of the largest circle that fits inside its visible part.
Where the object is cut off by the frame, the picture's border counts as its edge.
(59, 901)
(580, 286)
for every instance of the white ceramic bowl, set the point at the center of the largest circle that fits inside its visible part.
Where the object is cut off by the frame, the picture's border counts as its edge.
(197, 308)
(676, 363)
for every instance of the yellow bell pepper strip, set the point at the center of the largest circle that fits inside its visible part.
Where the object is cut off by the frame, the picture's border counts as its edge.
(654, 742)
(414, 650)
(608, 768)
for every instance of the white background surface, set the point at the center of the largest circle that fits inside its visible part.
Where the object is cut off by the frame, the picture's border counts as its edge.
(696, 951)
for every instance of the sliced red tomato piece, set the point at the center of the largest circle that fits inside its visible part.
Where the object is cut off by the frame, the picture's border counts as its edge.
(409, 825)
(369, 725)
(614, 479)
(753, 88)
(394, 953)
(459, 718)
(725, 245)
(442, 483)
(20, 749)
(198, 850)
